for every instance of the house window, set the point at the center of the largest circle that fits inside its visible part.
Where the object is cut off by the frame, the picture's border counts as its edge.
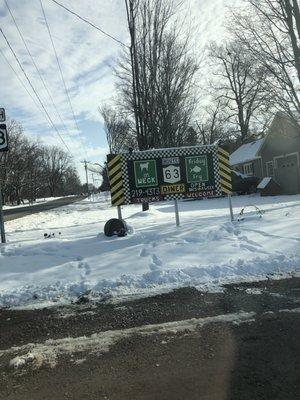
(270, 168)
(248, 169)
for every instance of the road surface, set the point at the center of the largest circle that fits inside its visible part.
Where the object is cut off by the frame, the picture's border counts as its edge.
(242, 343)
(19, 212)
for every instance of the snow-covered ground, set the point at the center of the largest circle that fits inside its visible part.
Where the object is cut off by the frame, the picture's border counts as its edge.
(207, 249)
(27, 204)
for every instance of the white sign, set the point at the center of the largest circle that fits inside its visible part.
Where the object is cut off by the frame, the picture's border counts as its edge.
(3, 138)
(2, 115)
(171, 173)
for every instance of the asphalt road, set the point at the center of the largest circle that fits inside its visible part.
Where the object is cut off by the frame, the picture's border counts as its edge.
(242, 343)
(19, 212)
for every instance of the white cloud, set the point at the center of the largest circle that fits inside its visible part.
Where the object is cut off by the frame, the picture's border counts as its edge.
(86, 58)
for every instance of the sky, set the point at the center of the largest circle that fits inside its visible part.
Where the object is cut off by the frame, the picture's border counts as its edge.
(87, 58)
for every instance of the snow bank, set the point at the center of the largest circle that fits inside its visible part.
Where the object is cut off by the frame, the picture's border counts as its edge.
(156, 256)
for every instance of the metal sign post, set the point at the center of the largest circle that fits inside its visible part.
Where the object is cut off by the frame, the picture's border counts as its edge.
(119, 212)
(176, 212)
(2, 229)
(230, 208)
(3, 147)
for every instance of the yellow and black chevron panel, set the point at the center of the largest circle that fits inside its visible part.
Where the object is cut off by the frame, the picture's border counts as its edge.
(225, 172)
(114, 168)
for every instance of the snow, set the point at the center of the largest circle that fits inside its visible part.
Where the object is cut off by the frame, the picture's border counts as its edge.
(264, 182)
(239, 174)
(205, 251)
(247, 152)
(47, 353)
(293, 310)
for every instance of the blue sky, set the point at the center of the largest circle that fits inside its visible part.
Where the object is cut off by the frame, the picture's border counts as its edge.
(86, 58)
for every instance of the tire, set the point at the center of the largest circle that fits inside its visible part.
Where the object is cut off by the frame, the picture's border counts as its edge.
(114, 226)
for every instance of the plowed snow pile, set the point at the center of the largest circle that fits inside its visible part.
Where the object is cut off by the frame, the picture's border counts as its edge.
(155, 256)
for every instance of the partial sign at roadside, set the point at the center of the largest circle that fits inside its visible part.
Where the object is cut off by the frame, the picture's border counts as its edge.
(169, 174)
(3, 138)
(2, 115)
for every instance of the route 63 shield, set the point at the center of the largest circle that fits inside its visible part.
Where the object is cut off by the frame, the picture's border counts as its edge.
(171, 174)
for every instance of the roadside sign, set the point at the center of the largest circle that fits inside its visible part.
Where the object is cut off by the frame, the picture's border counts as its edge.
(2, 114)
(3, 138)
(145, 173)
(196, 169)
(171, 170)
(169, 174)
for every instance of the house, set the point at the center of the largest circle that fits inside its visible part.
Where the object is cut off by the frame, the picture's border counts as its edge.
(277, 155)
(268, 187)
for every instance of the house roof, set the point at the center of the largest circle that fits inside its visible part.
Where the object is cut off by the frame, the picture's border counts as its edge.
(247, 152)
(264, 182)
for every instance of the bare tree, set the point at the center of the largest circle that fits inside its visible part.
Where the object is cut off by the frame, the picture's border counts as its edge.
(241, 83)
(157, 78)
(56, 165)
(119, 134)
(270, 30)
(14, 163)
(26, 172)
(211, 123)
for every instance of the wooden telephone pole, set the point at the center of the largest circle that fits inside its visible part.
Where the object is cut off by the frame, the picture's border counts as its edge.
(86, 176)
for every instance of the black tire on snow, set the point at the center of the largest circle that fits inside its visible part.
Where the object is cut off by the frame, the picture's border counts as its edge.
(114, 226)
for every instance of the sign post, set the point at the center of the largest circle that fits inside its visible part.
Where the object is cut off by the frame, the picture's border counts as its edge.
(176, 212)
(119, 212)
(2, 229)
(3, 147)
(230, 208)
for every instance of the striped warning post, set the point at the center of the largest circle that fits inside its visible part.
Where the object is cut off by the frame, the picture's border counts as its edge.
(224, 169)
(114, 168)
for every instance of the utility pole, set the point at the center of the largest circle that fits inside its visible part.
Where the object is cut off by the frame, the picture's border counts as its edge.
(93, 192)
(86, 176)
(131, 26)
(131, 10)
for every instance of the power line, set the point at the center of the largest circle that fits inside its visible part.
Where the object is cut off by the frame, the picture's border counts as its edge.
(24, 86)
(90, 23)
(20, 81)
(59, 67)
(34, 63)
(34, 91)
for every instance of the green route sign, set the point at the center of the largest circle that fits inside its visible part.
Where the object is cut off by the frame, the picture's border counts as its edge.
(196, 169)
(145, 173)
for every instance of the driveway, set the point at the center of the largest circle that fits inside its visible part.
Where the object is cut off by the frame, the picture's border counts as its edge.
(241, 343)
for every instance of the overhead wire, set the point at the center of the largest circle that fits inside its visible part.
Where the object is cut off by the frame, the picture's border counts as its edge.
(89, 23)
(34, 90)
(59, 67)
(35, 65)
(20, 80)
(24, 87)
